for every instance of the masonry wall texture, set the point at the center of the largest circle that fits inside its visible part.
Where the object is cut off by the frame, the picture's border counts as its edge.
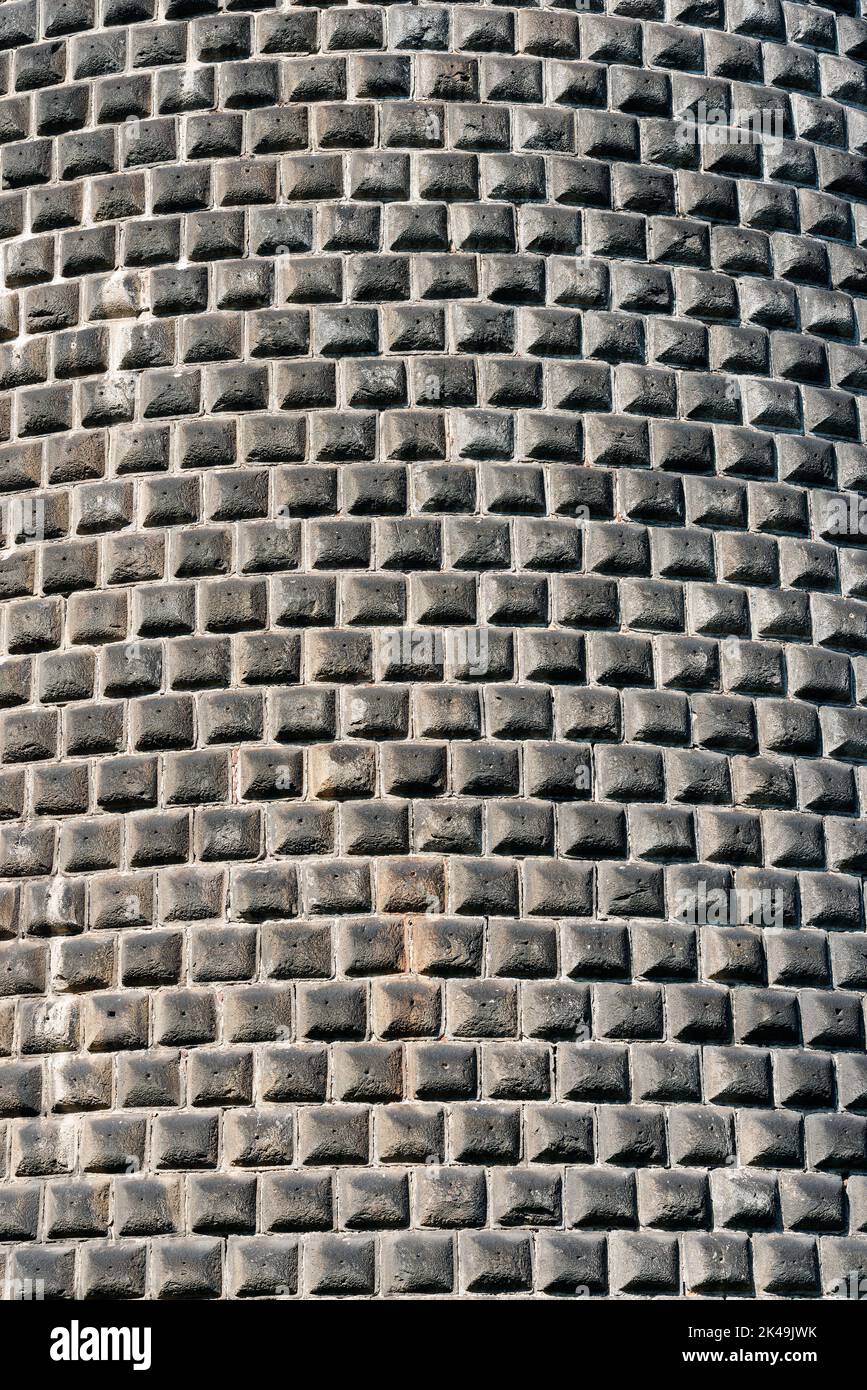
(434, 649)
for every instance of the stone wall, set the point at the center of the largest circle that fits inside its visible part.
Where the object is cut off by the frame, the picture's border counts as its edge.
(434, 648)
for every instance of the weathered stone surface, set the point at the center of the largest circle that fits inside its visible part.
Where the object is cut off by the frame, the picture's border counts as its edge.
(433, 686)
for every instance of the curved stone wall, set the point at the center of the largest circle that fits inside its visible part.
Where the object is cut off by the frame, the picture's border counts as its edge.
(434, 648)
